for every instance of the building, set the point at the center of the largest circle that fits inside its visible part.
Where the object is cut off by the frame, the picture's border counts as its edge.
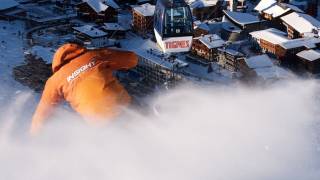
(236, 5)
(158, 68)
(301, 25)
(91, 36)
(114, 30)
(207, 46)
(264, 4)
(206, 9)
(245, 21)
(269, 40)
(229, 59)
(276, 11)
(275, 42)
(143, 18)
(261, 68)
(310, 60)
(97, 11)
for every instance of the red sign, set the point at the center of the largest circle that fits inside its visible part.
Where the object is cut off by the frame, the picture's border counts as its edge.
(177, 44)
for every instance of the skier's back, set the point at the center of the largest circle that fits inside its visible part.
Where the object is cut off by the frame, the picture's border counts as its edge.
(84, 79)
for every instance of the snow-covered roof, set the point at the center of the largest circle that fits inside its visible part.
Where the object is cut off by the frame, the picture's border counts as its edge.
(111, 3)
(113, 27)
(241, 18)
(264, 4)
(96, 5)
(271, 35)
(90, 31)
(211, 41)
(310, 55)
(303, 23)
(145, 9)
(261, 61)
(276, 10)
(6, 4)
(309, 42)
(202, 3)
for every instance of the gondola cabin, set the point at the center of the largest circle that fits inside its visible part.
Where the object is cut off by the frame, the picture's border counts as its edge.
(173, 25)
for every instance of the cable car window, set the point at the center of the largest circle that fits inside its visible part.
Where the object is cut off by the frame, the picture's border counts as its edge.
(177, 21)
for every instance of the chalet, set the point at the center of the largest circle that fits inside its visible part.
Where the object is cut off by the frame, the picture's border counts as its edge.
(301, 25)
(206, 46)
(260, 68)
(143, 18)
(96, 10)
(115, 30)
(269, 40)
(278, 10)
(310, 60)
(290, 48)
(245, 21)
(91, 36)
(229, 59)
(236, 5)
(264, 4)
(276, 43)
(206, 9)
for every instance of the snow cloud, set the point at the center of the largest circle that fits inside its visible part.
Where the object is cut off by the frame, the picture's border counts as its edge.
(234, 132)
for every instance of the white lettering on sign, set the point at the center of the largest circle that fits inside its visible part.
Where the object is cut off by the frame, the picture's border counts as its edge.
(80, 70)
(177, 44)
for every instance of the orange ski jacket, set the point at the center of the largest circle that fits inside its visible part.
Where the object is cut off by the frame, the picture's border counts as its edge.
(84, 78)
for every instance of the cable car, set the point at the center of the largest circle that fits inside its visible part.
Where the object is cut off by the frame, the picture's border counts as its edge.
(173, 25)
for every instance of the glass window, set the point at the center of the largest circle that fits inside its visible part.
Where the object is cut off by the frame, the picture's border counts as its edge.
(177, 21)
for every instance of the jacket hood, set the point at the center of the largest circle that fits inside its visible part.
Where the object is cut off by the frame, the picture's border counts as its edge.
(65, 54)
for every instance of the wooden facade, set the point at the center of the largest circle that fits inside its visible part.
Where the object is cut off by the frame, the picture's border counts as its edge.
(86, 12)
(142, 23)
(208, 12)
(210, 54)
(229, 59)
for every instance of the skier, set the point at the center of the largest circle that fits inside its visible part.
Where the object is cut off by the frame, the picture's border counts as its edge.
(84, 78)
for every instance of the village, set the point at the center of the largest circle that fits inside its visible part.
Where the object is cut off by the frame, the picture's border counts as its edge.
(222, 41)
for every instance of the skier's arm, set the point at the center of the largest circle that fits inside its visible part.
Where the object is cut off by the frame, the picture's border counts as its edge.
(49, 100)
(122, 60)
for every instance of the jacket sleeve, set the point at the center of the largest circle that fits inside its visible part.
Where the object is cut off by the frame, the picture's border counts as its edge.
(122, 60)
(49, 100)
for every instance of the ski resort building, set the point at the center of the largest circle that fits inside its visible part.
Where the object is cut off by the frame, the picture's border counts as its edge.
(115, 30)
(207, 46)
(310, 60)
(229, 59)
(245, 21)
(159, 68)
(91, 36)
(278, 10)
(97, 11)
(260, 68)
(143, 18)
(301, 25)
(206, 9)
